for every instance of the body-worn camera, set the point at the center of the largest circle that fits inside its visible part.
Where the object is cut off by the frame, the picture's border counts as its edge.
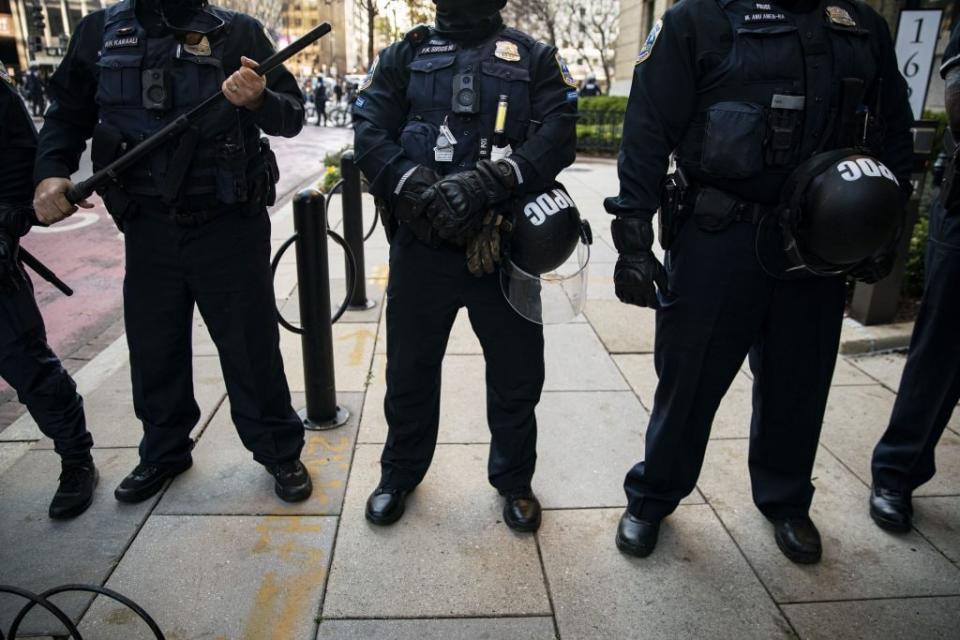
(156, 90)
(466, 100)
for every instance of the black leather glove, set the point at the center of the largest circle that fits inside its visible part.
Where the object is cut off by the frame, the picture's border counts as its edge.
(483, 249)
(10, 276)
(875, 269)
(638, 274)
(458, 201)
(410, 203)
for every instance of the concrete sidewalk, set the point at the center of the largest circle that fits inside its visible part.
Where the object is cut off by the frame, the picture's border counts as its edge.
(217, 556)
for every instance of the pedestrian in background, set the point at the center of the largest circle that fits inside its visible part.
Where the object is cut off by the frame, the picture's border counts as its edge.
(320, 101)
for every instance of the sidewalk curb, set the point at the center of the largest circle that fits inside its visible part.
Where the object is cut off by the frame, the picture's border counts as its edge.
(857, 339)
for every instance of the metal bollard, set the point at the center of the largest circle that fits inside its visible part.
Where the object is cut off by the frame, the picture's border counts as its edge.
(353, 230)
(313, 274)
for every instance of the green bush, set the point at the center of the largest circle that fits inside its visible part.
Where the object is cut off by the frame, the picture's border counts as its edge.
(332, 159)
(330, 177)
(603, 103)
(916, 252)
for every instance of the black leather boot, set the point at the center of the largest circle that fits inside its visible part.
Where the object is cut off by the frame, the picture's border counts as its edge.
(521, 510)
(147, 479)
(292, 481)
(385, 505)
(891, 510)
(78, 479)
(637, 537)
(798, 539)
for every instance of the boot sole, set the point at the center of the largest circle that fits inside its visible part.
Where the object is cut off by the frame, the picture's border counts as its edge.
(795, 556)
(633, 550)
(137, 497)
(298, 495)
(382, 521)
(890, 525)
(70, 514)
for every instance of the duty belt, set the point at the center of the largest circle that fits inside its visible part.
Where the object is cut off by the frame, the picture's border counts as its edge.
(715, 210)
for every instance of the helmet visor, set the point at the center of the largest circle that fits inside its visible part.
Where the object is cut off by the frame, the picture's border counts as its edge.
(550, 298)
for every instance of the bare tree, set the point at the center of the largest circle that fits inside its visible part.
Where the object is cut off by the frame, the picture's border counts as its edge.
(593, 24)
(372, 9)
(539, 18)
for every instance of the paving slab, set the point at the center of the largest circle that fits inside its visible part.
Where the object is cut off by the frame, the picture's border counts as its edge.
(927, 618)
(37, 553)
(225, 480)
(938, 519)
(10, 452)
(463, 410)
(586, 443)
(447, 629)
(860, 561)
(236, 577)
(855, 421)
(847, 374)
(450, 555)
(577, 361)
(600, 283)
(886, 368)
(462, 341)
(352, 351)
(732, 419)
(623, 328)
(695, 585)
(375, 288)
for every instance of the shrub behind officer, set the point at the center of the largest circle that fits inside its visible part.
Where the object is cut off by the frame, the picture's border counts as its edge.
(26, 360)
(743, 93)
(904, 458)
(193, 215)
(424, 126)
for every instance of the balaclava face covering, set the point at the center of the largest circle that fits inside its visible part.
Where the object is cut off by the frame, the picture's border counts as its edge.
(468, 20)
(800, 6)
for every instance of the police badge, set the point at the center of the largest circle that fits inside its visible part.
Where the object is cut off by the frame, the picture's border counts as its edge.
(840, 16)
(647, 50)
(507, 50)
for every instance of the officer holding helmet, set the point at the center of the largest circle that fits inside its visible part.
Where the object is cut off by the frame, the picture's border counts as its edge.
(904, 458)
(452, 123)
(748, 96)
(193, 215)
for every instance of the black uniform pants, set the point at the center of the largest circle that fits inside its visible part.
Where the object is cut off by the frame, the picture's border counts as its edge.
(42, 384)
(223, 268)
(930, 388)
(427, 287)
(724, 307)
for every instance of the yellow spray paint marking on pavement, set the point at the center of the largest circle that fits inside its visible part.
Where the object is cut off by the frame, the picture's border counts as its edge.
(359, 346)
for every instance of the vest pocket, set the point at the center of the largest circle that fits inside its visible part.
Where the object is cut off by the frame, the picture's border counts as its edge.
(770, 53)
(119, 82)
(514, 82)
(418, 140)
(733, 141)
(431, 83)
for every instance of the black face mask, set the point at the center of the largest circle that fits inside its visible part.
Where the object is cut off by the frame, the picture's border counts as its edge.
(468, 20)
(799, 5)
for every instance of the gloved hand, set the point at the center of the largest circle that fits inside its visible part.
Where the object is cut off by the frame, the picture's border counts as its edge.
(10, 275)
(410, 203)
(458, 201)
(875, 269)
(483, 249)
(638, 274)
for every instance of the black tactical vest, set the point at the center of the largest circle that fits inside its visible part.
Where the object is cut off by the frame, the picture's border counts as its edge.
(439, 70)
(776, 100)
(226, 152)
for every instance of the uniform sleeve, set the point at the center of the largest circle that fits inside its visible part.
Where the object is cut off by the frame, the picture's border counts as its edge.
(553, 146)
(72, 113)
(18, 145)
(951, 57)
(662, 104)
(897, 115)
(281, 113)
(379, 113)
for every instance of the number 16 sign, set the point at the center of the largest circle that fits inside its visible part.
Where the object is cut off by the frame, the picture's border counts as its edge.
(917, 37)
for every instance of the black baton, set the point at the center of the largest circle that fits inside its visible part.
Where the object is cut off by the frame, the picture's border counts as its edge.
(44, 272)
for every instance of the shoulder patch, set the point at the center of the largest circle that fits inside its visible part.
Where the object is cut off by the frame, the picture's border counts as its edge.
(6, 78)
(370, 74)
(647, 49)
(565, 72)
(417, 35)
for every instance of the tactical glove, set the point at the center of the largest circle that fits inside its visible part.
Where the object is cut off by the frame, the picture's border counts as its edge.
(410, 203)
(458, 201)
(483, 249)
(638, 274)
(875, 269)
(10, 275)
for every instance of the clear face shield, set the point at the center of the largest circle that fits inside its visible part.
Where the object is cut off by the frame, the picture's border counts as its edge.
(555, 297)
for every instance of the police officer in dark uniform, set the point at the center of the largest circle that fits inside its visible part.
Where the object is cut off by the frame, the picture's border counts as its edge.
(742, 92)
(26, 361)
(193, 215)
(424, 125)
(904, 458)
(590, 87)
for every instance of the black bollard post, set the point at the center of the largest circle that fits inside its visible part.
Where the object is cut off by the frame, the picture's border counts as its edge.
(313, 274)
(353, 230)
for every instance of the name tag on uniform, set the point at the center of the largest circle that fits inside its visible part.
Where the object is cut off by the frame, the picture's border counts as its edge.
(119, 43)
(438, 47)
(769, 16)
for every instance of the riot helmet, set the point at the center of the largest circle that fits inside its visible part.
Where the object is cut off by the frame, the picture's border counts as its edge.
(837, 210)
(547, 257)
